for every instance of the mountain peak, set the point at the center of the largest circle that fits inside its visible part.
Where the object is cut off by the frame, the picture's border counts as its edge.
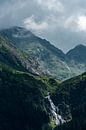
(77, 48)
(17, 32)
(80, 46)
(78, 53)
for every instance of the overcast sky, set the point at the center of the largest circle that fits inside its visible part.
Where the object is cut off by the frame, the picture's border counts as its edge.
(62, 22)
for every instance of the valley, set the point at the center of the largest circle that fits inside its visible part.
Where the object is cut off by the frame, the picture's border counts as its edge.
(41, 87)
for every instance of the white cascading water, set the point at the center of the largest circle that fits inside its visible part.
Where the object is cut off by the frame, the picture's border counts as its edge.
(54, 110)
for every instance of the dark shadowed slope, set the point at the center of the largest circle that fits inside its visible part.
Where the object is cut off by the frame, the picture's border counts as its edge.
(22, 102)
(71, 98)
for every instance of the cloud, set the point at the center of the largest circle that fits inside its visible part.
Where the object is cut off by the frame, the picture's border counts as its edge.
(76, 23)
(52, 5)
(31, 24)
(10, 12)
(62, 22)
(82, 23)
(71, 23)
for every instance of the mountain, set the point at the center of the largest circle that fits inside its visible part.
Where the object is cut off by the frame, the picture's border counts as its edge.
(23, 38)
(22, 90)
(26, 104)
(45, 58)
(70, 97)
(76, 59)
(78, 54)
(30, 98)
(51, 60)
(23, 104)
(13, 57)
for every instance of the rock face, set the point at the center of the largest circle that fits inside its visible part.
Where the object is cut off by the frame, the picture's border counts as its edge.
(72, 93)
(13, 57)
(49, 60)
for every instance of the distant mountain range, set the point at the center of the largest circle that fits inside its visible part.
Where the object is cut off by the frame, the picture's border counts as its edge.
(46, 58)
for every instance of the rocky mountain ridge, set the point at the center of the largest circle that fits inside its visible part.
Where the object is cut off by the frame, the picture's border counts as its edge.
(49, 59)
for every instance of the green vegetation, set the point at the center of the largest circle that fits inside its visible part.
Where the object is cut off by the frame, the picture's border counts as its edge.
(51, 83)
(9, 55)
(22, 102)
(26, 66)
(73, 93)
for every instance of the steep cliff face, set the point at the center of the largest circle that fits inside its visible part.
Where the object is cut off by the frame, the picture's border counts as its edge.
(71, 94)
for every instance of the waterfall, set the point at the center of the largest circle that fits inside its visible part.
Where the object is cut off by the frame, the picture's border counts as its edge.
(54, 110)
